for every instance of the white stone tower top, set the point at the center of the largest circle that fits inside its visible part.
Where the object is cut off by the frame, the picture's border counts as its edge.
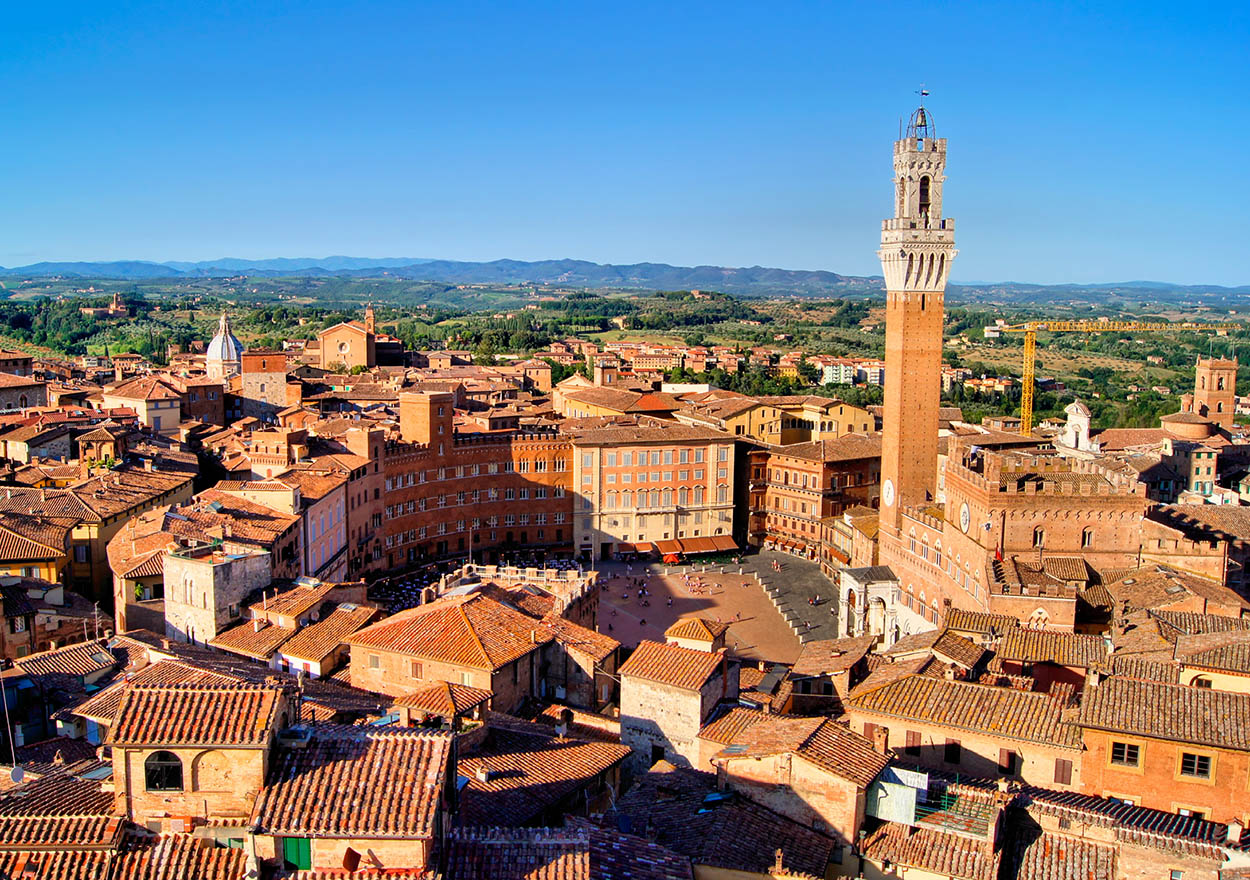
(918, 243)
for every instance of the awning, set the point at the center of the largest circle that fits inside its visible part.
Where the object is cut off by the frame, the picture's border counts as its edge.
(724, 542)
(626, 547)
(668, 547)
(645, 547)
(698, 545)
(839, 555)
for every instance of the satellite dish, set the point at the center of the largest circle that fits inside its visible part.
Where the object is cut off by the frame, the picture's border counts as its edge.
(16, 775)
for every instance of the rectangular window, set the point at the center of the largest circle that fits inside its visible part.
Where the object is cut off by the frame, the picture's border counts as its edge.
(913, 742)
(415, 669)
(374, 661)
(1063, 771)
(952, 752)
(870, 729)
(1125, 754)
(1198, 766)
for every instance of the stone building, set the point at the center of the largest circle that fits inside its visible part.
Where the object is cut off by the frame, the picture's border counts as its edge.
(263, 392)
(205, 587)
(667, 694)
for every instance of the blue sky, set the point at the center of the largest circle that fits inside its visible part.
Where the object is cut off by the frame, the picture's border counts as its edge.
(1088, 142)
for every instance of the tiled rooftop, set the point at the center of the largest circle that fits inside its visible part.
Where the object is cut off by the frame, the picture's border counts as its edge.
(359, 782)
(677, 667)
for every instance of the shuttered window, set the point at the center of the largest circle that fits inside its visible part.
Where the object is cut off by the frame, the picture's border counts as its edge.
(1063, 771)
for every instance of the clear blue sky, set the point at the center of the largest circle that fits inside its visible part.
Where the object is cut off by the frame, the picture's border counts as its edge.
(1088, 141)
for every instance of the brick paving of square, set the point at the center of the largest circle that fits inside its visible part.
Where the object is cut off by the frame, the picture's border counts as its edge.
(757, 630)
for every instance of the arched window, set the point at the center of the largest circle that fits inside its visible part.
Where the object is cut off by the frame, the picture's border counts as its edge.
(1201, 681)
(668, 497)
(1039, 537)
(655, 497)
(1202, 382)
(163, 772)
(1087, 537)
(698, 494)
(1219, 404)
(1219, 383)
(924, 196)
(683, 496)
(611, 501)
(627, 499)
(22, 401)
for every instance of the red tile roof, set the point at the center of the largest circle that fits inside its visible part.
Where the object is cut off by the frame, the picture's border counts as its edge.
(677, 667)
(1003, 712)
(696, 628)
(384, 782)
(468, 631)
(187, 714)
(529, 771)
(444, 698)
(933, 852)
(1180, 713)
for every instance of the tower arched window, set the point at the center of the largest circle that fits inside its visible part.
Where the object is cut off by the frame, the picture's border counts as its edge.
(1219, 383)
(924, 196)
(1039, 537)
(163, 772)
(1202, 382)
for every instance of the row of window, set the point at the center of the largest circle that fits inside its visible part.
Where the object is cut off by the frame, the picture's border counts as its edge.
(656, 456)
(521, 466)
(1192, 764)
(656, 476)
(476, 496)
(657, 498)
(442, 528)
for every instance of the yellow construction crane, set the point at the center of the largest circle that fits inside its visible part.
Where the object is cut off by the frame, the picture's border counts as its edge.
(1101, 325)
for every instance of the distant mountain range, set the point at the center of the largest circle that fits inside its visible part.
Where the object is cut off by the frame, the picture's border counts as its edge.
(750, 281)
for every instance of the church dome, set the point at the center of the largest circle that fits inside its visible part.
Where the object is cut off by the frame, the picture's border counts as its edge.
(224, 348)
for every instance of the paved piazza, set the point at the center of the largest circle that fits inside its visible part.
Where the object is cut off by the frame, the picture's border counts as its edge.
(758, 630)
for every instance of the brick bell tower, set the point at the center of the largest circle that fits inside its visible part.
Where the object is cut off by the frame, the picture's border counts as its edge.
(917, 246)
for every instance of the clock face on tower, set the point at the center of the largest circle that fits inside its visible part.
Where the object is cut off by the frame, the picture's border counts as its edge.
(887, 493)
(965, 517)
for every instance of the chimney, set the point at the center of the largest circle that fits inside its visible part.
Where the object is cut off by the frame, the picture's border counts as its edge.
(1233, 835)
(256, 624)
(881, 739)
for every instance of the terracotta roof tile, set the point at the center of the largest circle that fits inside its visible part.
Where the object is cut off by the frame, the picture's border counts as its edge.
(667, 804)
(579, 851)
(257, 639)
(529, 771)
(1044, 856)
(979, 622)
(1047, 646)
(1003, 712)
(385, 782)
(831, 656)
(595, 645)
(1223, 651)
(1180, 713)
(468, 630)
(932, 852)
(56, 865)
(696, 628)
(445, 699)
(178, 856)
(59, 810)
(192, 714)
(84, 658)
(317, 641)
(677, 667)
